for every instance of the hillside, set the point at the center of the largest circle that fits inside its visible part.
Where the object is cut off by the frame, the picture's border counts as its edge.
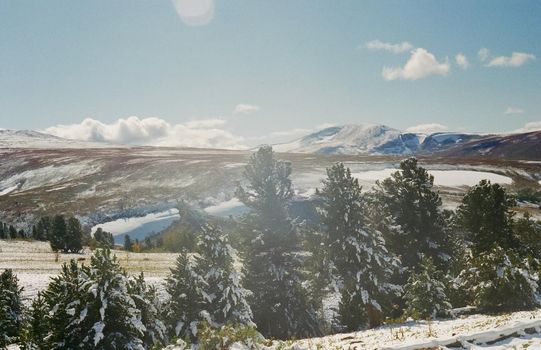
(35, 139)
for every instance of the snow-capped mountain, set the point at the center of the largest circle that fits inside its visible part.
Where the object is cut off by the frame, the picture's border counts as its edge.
(35, 139)
(355, 139)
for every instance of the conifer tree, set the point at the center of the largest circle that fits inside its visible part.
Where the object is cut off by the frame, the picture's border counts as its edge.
(186, 287)
(128, 244)
(146, 300)
(281, 304)
(74, 236)
(418, 224)
(91, 307)
(36, 327)
(10, 308)
(486, 217)
(204, 284)
(425, 292)
(229, 299)
(499, 281)
(103, 238)
(357, 250)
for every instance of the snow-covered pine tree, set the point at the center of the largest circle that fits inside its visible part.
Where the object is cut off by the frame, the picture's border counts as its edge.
(74, 236)
(10, 308)
(62, 296)
(107, 315)
(91, 308)
(357, 250)
(425, 292)
(498, 280)
(229, 299)
(418, 227)
(146, 300)
(36, 326)
(57, 237)
(186, 288)
(281, 304)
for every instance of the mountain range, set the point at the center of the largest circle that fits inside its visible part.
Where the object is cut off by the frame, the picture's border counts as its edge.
(353, 139)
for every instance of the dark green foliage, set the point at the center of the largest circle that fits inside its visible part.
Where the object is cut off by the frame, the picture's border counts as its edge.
(281, 304)
(356, 250)
(3, 231)
(128, 244)
(528, 232)
(104, 239)
(418, 224)
(42, 230)
(74, 236)
(486, 218)
(425, 292)
(65, 235)
(36, 327)
(499, 280)
(12, 232)
(529, 194)
(10, 308)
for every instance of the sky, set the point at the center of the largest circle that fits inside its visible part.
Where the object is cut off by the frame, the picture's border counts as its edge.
(237, 73)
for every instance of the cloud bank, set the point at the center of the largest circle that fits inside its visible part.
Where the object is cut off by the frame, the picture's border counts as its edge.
(421, 64)
(429, 128)
(376, 45)
(152, 132)
(532, 126)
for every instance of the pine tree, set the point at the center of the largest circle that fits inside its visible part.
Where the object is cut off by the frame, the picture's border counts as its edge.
(128, 244)
(418, 224)
(10, 308)
(281, 303)
(356, 248)
(36, 326)
(74, 236)
(146, 300)
(528, 232)
(58, 233)
(229, 303)
(186, 288)
(91, 307)
(425, 293)
(486, 217)
(104, 239)
(12, 232)
(499, 280)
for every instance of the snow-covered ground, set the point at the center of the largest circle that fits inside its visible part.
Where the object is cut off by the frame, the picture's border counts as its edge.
(508, 331)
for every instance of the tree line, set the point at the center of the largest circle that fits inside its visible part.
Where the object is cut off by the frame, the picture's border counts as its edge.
(389, 253)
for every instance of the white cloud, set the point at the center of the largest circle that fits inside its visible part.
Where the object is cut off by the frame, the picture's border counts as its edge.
(376, 45)
(420, 65)
(532, 126)
(243, 108)
(516, 59)
(152, 132)
(195, 12)
(483, 54)
(428, 128)
(513, 110)
(462, 61)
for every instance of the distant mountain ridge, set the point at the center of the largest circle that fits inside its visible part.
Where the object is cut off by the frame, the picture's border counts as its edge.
(374, 139)
(36, 139)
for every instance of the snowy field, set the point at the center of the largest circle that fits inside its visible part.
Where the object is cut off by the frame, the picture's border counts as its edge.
(35, 263)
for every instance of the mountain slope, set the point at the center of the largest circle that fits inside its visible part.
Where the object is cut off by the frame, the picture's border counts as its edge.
(35, 139)
(354, 139)
(526, 146)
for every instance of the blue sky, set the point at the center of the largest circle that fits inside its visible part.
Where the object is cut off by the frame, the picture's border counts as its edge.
(293, 66)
